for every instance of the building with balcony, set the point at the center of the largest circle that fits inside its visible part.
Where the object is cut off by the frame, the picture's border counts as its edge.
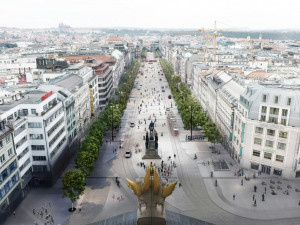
(10, 182)
(266, 133)
(81, 93)
(105, 81)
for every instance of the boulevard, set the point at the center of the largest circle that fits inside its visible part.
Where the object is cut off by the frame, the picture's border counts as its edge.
(197, 197)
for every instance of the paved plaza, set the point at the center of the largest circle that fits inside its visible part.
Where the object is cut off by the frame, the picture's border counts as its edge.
(198, 195)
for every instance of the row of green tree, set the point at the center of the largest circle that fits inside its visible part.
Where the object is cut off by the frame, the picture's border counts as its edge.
(189, 108)
(144, 53)
(110, 118)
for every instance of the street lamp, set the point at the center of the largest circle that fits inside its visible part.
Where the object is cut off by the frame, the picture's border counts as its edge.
(191, 107)
(112, 122)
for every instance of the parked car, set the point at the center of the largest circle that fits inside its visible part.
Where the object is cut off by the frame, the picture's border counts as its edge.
(170, 96)
(128, 154)
(131, 124)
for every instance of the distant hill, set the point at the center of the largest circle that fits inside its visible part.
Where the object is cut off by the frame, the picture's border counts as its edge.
(275, 35)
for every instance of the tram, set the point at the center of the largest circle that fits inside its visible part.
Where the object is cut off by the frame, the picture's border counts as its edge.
(172, 123)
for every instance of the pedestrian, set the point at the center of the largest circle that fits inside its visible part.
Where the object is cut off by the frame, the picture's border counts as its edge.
(14, 213)
(174, 155)
(41, 214)
(255, 188)
(33, 212)
(233, 196)
(253, 197)
(242, 182)
(265, 190)
(254, 204)
(263, 197)
(179, 185)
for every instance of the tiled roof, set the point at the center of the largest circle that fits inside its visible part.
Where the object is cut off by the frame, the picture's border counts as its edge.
(259, 75)
(114, 38)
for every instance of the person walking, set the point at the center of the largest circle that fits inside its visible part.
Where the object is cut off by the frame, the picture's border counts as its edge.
(254, 204)
(253, 197)
(265, 190)
(233, 196)
(263, 197)
(33, 212)
(255, 188)
(14, 213)
(242, 182)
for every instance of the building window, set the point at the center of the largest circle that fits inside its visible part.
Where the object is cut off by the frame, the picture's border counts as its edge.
(269, 143)
(7, 139)
(284, 112)
(257, 141)
(9, 152)
(264, 98)
(277, 172)
(36, 136)
(39, 158)
(276, 99)
(24, 152)
(38, 168)
(1, 144)
(281, 145)
(274, 111)
(282, 134)
(263, 118)
(273, 120)
(34, 125)
(2, 158)
(256, 153)
(37, 147)
(264, 109)
(254, 166)
(289, 100)
(279, 158)
(283, 122)
(259, 130)
(267, 155)
(33, 111)
(271, 132)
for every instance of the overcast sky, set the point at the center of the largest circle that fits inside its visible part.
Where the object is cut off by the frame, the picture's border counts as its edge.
(251, 14)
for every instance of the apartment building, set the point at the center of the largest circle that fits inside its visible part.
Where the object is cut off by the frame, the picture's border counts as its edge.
(81, 93)
(10, 182)
(267, 130)
(40, 135)
(105, 81)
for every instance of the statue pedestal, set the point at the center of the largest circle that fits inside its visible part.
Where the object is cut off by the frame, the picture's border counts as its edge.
(149, 217)
(151, 153)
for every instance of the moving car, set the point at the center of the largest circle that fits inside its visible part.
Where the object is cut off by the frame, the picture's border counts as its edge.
(128, 154)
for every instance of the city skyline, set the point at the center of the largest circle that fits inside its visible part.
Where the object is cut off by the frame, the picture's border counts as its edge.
(190, 14)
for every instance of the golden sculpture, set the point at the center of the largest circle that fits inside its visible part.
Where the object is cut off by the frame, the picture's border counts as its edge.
(153, 198)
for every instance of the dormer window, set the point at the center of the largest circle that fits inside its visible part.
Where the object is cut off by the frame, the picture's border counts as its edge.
(276, 99)
(264, 98)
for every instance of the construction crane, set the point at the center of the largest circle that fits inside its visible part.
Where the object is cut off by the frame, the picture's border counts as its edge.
(208, 33)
